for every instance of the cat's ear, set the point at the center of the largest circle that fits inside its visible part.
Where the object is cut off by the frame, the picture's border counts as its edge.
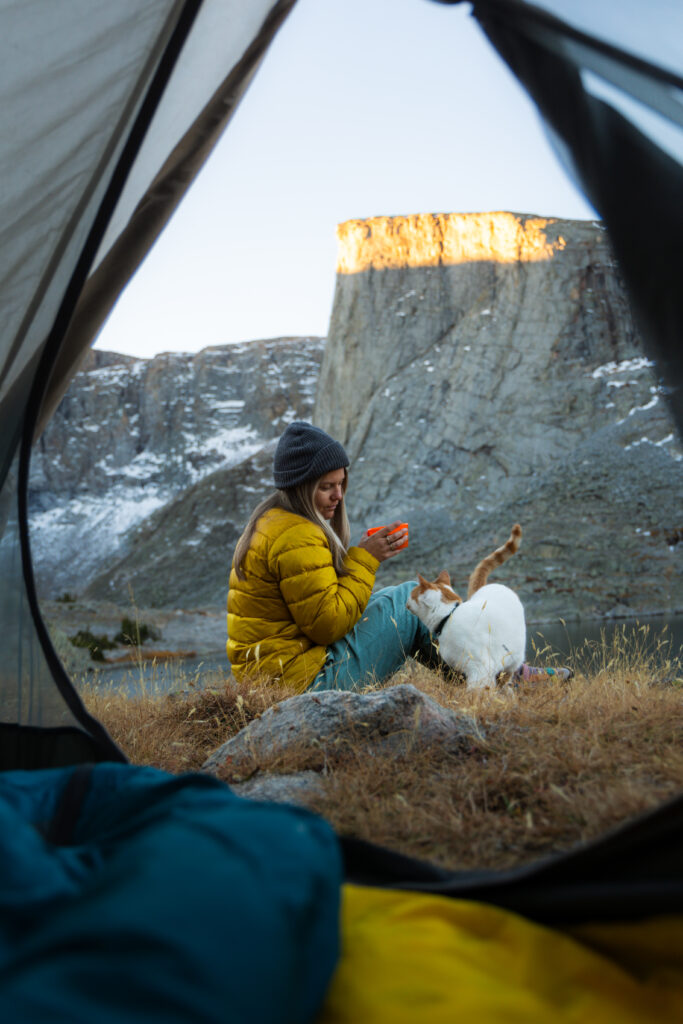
(444, 577)
(422, 581)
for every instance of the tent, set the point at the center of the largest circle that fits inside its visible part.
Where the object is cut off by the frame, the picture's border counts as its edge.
(107, 113)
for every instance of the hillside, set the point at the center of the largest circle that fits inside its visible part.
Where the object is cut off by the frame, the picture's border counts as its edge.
(132, 436)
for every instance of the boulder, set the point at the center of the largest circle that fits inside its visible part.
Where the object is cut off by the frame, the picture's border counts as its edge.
(307, 731)
(297, 788)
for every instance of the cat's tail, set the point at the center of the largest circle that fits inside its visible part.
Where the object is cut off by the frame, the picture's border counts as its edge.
(500, 555)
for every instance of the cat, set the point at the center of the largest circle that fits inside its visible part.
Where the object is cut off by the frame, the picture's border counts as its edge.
(484, 637)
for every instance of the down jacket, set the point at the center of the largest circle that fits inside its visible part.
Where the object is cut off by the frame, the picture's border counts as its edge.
(291, 604)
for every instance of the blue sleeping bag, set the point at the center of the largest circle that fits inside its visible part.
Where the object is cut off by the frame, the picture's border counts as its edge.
(127, 894)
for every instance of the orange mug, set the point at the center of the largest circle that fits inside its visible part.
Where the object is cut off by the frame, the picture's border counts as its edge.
(401, 526)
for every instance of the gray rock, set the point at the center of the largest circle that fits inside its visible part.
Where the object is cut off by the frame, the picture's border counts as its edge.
(313, 727)
(281, 789)
(485, 369)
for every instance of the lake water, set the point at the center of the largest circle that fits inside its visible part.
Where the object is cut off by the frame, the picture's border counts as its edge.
(163, 676)
(659, 635)
(575, 640)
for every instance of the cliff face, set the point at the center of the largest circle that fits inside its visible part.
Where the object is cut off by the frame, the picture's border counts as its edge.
(132, 435)
(485, 369)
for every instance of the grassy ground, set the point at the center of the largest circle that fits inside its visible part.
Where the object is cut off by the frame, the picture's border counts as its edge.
(552, 765)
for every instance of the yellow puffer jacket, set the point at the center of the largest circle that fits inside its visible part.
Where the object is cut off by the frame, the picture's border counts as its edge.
(291, 604)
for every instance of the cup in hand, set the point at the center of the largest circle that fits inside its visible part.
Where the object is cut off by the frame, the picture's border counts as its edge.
(401, 526)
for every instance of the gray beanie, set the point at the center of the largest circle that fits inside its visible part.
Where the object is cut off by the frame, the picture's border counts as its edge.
(305, 452)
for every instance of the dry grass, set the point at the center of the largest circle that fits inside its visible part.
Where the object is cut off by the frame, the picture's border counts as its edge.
(558, 763)
(177, 732)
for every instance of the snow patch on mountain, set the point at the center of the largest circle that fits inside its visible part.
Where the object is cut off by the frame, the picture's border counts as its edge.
(132, 436)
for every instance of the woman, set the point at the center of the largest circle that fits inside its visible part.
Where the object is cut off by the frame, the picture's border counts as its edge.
(300, 605)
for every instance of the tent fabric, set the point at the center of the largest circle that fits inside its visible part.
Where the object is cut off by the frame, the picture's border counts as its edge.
(69, 87)
(408, 957)
(128, 894)
(41, 715)
(609, 84)
(107, 112)
(96, 95)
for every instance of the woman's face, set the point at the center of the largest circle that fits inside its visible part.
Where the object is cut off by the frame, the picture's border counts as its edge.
(329, 493)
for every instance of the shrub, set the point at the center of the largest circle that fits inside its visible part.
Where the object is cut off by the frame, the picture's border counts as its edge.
(134, 634)
(97, 645)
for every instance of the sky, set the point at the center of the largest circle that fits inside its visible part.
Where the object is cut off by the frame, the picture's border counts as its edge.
(361, 108)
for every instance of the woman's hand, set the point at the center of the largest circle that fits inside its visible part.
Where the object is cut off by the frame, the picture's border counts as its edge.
(383, 546)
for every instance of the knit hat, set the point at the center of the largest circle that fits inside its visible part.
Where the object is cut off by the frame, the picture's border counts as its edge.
(305, 452)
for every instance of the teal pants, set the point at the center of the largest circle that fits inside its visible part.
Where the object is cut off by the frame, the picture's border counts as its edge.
(386, 634)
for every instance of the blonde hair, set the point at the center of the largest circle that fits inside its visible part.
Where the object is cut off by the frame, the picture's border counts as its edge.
(301, 501)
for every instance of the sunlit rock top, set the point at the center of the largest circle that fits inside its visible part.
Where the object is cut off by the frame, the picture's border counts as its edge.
(438, 239)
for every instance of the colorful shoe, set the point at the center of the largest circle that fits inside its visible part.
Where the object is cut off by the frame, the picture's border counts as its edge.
(536, 674)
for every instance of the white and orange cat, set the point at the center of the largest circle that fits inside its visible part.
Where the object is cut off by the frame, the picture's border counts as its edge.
(484, 637)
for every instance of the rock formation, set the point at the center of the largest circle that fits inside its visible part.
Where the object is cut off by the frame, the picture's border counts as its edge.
(483, 369)
(277, 755)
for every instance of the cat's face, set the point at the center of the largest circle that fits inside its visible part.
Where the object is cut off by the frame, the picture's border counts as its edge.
(434, 594)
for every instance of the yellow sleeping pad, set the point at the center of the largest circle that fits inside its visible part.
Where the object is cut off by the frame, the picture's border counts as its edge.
(409, 958)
